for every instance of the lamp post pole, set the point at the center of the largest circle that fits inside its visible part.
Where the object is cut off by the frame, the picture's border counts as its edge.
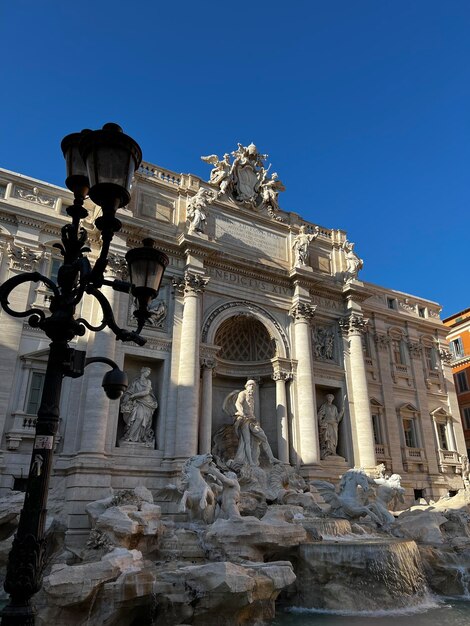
(99, 163)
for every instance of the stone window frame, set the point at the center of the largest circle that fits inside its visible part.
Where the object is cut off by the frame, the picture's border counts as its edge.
(431, 360)
(24, 423)
(444, 433)
(398, 347)
(409, 412)
(377, 409)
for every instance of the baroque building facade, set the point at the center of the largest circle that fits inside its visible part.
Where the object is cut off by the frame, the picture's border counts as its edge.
(251, 292)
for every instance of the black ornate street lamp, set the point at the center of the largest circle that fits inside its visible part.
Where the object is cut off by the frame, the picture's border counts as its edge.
(100, 164)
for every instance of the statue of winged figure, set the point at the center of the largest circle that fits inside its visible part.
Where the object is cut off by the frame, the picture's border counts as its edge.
(245, 180)
(220, 173)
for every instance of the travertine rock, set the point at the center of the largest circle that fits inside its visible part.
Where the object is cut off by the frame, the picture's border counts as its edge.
(118, 589)
(128, 519)
(422, 526)
(249, 538)
(222, 593)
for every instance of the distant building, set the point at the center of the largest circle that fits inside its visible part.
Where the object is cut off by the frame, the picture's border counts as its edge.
(251, 291)
(459, 345)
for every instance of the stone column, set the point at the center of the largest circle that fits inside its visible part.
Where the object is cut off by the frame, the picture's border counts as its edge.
(281, 416)
(96, 408)
(352, 328)
(205, 425)
(306, 401)
(187, 426)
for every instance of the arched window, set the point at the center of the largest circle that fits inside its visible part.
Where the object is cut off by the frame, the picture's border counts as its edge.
(243, 338)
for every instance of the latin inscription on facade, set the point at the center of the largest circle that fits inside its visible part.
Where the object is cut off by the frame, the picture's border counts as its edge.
(247, 238)
(247, 281)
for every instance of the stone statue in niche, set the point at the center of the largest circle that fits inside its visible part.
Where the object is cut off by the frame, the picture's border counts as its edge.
(353, 262)
(301, 244)
(328, 422)
(323, 341)
(251, 437)
(138, 405)
(196, 210)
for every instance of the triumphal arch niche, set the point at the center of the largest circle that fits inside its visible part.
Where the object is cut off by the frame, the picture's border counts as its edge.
(250, 344)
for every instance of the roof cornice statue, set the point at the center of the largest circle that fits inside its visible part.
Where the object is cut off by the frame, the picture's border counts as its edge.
(244, 179)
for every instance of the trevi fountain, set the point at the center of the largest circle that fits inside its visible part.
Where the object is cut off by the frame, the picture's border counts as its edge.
(255, 543)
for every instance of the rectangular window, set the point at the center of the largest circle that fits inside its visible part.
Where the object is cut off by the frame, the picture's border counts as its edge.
(430, 357)
(441, 431)
(391, 303)
(366, 345)
(410, 433)
(466, 417)
(377, 427)
(462, 382)
(421, 311)
(3, 191)
(54, 268)
(398, 352)
(456, 348)
(35, 392)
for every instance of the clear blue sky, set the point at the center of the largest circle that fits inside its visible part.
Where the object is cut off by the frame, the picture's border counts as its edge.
(362, 105)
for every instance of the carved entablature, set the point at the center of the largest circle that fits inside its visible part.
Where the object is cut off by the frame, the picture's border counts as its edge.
(117, 266)
(382, 341)
(354, 323)
(34, 195)
(302, 311)
(190, 283)
(415, 349)
(22, 258)
(164, 345)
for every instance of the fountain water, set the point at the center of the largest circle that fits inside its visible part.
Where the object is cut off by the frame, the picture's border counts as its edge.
(360, 573)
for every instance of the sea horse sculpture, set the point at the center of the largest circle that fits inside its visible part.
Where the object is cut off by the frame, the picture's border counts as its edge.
(350, 500)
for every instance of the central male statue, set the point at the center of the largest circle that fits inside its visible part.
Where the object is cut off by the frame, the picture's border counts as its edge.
(250, 434)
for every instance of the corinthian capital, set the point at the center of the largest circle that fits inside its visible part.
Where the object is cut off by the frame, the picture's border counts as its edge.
(302, 311)
(282, 375)
(191, 283)
(23, 258)
(353, 323)
(117, 266)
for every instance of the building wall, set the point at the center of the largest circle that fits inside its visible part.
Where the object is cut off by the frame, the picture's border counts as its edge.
(383, 350)
(459, 342)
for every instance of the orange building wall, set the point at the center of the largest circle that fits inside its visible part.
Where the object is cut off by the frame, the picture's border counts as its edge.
(459, 326)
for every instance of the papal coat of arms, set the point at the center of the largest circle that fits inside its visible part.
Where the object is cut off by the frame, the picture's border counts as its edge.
(245, 179)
